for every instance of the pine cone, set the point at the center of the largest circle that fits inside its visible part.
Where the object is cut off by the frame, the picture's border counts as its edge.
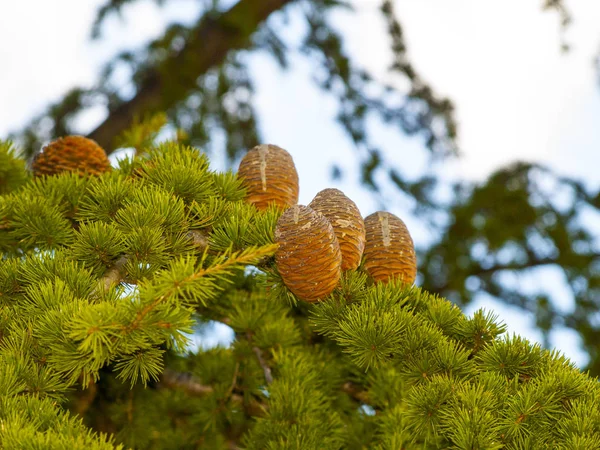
(389, 252)
(309, 258)
(347, 222)
(269, 176)
(71, 154)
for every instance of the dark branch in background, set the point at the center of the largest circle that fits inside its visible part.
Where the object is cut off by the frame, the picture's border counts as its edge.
(523, 217)
(479, 271)
(207, 47)
(194, 74)
(418, 112)
(436, 121)
(112, 6)
(565, 19)
(199, 76)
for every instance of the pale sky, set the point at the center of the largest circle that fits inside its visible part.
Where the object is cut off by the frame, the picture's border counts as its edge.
(517, 96)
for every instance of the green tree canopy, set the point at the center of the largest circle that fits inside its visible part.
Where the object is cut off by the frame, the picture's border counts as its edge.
(104, 278)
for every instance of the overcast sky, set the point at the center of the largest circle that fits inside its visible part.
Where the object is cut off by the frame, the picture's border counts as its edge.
(517, 96)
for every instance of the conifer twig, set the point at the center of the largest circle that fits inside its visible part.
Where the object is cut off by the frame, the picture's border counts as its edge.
(241, 258)
(188, 383)
(198, 238)
(235, 376)
(87, 397)
(112, 276)
(261, 361)
(354, 392)
(266, 369)
(129, 407)
(115, 273)
(184, 381)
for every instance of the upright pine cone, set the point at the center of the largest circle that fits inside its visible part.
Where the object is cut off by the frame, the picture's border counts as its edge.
(71, 154)
(389, 252)
(269, 176)
(308, 258)
(348, 224)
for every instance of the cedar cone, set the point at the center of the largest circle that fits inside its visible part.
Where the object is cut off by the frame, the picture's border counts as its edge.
(389, 252)
(308, 258)
(71, 154)
(348, 224)
(269, 176)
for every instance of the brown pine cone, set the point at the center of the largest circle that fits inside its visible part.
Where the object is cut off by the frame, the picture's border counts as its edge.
(71, 154)
(347, 222)
(389, 251)
(269, 176)
(308, 258)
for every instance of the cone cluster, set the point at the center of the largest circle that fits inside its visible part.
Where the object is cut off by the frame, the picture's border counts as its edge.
(319, 241)
(71, 154)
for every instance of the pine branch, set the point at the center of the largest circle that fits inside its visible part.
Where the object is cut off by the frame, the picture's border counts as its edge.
(86, 399)
(355, 392)
(184, 381)
(199, 239)
(248, 256)
(514, 266)
(266, 369)
(235, 377)
(192, 386)
(113, 276)
(261, 361)
(207, 47)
